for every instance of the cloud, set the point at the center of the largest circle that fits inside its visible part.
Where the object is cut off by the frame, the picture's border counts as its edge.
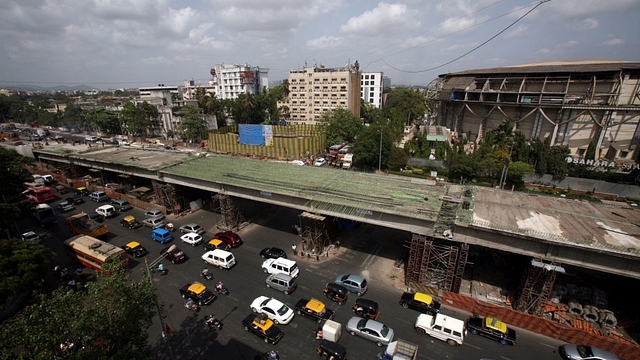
(583, 24)
(543, 51)
(517, 32)
(581, 8)
(324, 42)
(612, 42)
(387, 17)
(568, 44)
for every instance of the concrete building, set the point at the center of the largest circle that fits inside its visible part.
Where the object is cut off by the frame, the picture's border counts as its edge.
(229, 81)
(190, 87)
(314, 90)
(371, 88)
(574, 103)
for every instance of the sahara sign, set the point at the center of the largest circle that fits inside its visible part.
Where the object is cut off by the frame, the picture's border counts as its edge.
(603, 165)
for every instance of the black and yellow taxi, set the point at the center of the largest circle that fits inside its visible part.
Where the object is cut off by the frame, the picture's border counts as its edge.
(135, 249)
(421, 302)
(314, 309)
(214, 244)
(198, 293)
(493, 329)
(262, 326)
(130, 222)
(82, 191)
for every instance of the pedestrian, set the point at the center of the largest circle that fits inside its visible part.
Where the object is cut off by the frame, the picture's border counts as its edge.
(294, 248)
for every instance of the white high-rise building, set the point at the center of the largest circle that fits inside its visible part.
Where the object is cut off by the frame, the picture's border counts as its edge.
(233, 80)
(371, 86)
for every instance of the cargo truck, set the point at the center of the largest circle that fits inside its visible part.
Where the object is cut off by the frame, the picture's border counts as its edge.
(400, 350)
(81, 224)
(347, 161)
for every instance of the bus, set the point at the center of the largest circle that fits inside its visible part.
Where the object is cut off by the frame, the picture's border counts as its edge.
(94, 253)
(40, 194)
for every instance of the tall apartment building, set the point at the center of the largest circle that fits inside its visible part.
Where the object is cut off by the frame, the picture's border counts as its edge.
(371, 88)
(232, 80)
(573, 103)
(315, 90)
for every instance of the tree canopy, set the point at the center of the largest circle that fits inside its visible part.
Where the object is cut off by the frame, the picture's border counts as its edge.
(21, 267)
(110, 319)
(192, 123)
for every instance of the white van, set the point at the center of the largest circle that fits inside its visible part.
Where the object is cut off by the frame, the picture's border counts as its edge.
(441, 327)
(220, 258)
(281, 266)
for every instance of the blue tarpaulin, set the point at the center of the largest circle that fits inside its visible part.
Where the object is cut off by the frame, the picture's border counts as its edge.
(251, 134)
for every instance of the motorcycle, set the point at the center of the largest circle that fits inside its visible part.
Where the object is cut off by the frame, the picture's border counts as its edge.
(221, 289)
(191, 305)
(206, 275)
(162, 270)
(213, 323)
(169, 227)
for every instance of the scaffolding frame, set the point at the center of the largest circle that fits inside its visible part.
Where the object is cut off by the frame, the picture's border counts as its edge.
(537, 286)
(167, 196)
(232, 218)
(435, 265)
(315, 236)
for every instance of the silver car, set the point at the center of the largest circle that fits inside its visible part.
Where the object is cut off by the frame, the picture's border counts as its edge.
(370, 330)
(154, 214)
(192, 228)
(584, 352)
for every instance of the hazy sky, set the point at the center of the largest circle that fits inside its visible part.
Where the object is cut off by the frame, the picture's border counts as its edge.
(130, 43)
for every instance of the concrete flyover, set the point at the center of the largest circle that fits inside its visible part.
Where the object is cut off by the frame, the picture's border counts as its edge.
(601, 237)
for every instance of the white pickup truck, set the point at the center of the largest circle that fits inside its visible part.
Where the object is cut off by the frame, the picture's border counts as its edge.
(441, 327)
(107, 211)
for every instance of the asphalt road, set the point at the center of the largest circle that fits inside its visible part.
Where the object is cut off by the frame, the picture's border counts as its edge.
(367, 251)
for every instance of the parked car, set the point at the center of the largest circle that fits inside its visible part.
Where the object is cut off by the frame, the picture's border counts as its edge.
(371, 330)
(154, 214)
(584, 352)
(161, 235)
(263, 327)
(121, 205)
(98, 196)
(176, 256)
(135, 249)
(153, 223)
(421, 302)
(130, 222)
(192, 228)
(229, 237)
(192, 239)
(65, 206)
(274, 309)
(320, 162)
(273, 253)
(353, 283)
(75, 199)
(314, 309)
(493, 329)
(198, 293)
(82, 191)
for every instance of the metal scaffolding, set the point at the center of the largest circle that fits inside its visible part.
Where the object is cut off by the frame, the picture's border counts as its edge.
(536, 287)
(435, 265)
(167, 196)
(232, 219)
(315, 236)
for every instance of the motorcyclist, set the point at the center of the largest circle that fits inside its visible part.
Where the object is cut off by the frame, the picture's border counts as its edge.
(160, 267)
(211, 320)
(205, 272)
(219, 286)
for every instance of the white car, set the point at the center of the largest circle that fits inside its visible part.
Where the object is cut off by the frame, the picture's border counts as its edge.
(297, 162)
(274, 309)
(320, 162)
(107, 211)
(191, 239)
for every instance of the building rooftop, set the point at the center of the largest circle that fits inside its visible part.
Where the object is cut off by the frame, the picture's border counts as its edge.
(575, 66)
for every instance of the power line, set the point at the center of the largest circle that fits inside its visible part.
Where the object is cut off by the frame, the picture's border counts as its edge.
(472, 50)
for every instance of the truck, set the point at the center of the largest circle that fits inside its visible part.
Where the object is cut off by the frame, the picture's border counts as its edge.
(45, 214)
(334, 152)
(400, 350)
(81, 224)
(347, 161)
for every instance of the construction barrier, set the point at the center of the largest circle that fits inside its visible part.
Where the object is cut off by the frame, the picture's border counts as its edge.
(580, 333)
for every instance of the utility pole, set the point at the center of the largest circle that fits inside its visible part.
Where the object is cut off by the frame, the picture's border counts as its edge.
(380, 154)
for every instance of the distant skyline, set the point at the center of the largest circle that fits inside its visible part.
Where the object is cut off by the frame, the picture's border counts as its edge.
(132, 43)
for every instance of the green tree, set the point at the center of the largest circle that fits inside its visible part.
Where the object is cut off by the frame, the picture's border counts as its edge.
(109, 319)
(13, 174)
(21, 267)
(75, 117)
(104, 120)
(366, 147)
(192, 123)
(134, 119)
(406, 105)
(341, 126)
(517, 171)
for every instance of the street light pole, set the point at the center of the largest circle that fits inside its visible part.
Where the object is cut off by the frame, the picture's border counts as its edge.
(380, 154)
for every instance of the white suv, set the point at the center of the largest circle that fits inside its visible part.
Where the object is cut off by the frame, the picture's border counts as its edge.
(280, 266)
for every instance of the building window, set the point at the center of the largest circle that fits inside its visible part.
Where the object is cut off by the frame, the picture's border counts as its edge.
(342, 103)
(581, 152)
(624, 154)
(343, 79)
(371, 101)
(301, 87)
(333, 103)
(361, 83)
(373, 77)
(325, 79)
(366, 83)
(336, 79)
(370, 94)
(366, 76)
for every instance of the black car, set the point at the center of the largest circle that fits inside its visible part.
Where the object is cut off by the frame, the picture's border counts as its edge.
(493, 329)
(314, 309)
(198, 293)
(96, 217)
(421, 302)
(263, 327)
(273, 253)
(75, 199)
